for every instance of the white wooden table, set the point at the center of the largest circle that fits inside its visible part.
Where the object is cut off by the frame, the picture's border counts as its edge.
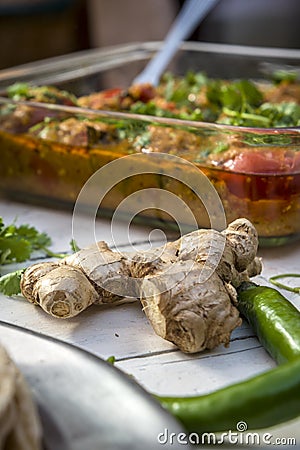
(124, 331)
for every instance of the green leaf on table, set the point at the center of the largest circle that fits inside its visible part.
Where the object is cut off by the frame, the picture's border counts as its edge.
(18, 242)
(14, 249)
(37, 240)
(111, 360)
(10, 283)
(74, 247)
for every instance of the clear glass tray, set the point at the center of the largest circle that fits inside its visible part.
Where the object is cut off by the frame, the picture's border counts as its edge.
(54, 173)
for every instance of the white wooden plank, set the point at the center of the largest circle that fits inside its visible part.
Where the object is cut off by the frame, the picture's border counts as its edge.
(122, 331)
(97, 328)
(179, 374)
(58, 224)
(277, 259)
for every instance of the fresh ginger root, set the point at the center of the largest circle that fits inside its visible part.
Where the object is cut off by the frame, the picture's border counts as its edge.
(187, 287)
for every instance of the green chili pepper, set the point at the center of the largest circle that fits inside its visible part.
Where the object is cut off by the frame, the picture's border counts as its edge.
(262, 401)
(265, 400)
(274, 319)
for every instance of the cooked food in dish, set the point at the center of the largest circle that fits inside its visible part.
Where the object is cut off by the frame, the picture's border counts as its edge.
(20, 427)
(242, 134)
(194, 97)
(197, 97)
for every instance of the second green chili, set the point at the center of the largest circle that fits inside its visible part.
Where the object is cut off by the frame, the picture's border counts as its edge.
(267, 399)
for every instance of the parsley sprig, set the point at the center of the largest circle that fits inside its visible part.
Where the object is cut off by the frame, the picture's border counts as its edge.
(232, 102)
(17, 244)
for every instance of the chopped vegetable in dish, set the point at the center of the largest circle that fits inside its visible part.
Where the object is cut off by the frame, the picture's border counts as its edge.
(194, 97)
(197, 97)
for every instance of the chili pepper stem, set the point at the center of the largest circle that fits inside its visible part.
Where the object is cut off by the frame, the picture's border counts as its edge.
(274, 281)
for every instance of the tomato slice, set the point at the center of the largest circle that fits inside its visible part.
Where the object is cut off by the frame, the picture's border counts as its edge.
(265, 162)
(264, 174)
(109, 93)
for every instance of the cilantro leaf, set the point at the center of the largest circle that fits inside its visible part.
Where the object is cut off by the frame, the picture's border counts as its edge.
(14, 249)
(18, 90)
(284, 75)
(74, 246)
(179, 90)
(285, 114)
(18, 242)
(10, 283)
(38, 240)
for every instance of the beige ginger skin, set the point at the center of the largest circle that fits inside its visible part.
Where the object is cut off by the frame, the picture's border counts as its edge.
(187, 287)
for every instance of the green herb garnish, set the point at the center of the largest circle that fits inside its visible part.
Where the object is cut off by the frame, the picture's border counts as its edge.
(111, 360)
(284, 75)
(18, 90)
(17, 244)
(10, 283)
(74, 246)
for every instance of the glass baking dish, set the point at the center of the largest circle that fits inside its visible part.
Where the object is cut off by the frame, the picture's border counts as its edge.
(40, 169)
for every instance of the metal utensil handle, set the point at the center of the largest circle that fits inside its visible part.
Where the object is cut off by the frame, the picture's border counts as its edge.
(192, 12)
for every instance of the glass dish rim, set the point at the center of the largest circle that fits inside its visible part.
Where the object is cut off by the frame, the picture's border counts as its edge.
(86, 62)
(222, 128)
(109, 56)
(151, 119)
(91, 56)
